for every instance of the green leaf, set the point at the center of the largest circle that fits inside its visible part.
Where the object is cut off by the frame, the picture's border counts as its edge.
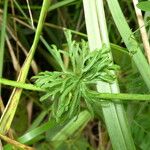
(114, 115)
(74, 125)
(86, 68)
(60, 4)
(37, 131)
(145, 6)
(10, 109)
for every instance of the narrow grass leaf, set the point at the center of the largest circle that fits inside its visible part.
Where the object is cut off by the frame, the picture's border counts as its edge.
(130, 41)
(114, 115)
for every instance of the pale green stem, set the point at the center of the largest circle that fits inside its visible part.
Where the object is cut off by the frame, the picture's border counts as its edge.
(2, 46)
(92, 94)
(19, 85)
(116, 108)
(2, 38)
(118, 96)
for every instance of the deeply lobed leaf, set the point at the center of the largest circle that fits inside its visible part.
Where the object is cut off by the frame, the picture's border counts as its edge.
(68, 88)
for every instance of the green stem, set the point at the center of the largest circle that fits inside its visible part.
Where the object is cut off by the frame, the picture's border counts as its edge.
(15, 143)
(19, 85)
(119, 96)
(60, 4)
(3, 33)
(92, 94)
(2, 46)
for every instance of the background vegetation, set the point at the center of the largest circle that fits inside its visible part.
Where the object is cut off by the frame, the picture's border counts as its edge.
(32, 126)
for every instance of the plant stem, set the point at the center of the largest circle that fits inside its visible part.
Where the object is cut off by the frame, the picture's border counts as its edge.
(119, 96)
(144, 35)
(92, 94)
(15, 143)
(2, 46)
(2, 38)
(2, 49)
(19, 85)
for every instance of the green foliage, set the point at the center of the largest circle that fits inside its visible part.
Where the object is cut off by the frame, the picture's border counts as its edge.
(78, 144)
(145, 6)
(141, 131)
(72, 86)
(68, 87)
(20, 122)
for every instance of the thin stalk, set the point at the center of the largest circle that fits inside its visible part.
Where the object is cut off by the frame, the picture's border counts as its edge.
(114, 115)
(20, 9)
(2, 38)
(119, 96)
(15, 143)
(9, 112)
(92, 94)
(121, 119)
(19, 85)
(2, 46)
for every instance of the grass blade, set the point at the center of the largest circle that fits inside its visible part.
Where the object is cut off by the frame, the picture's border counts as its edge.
(60, 4)
(2, 45)
(15, 143)
(129, 40)
(114, 115)
(75, 124)
(2, 38)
